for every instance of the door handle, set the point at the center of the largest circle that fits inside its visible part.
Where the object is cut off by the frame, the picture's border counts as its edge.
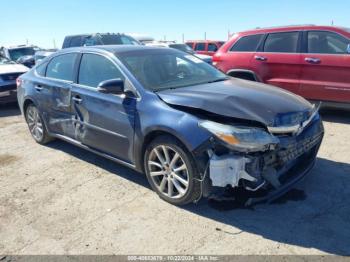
(77, 99)
(38, 88)
(312, 60)
(260, 58)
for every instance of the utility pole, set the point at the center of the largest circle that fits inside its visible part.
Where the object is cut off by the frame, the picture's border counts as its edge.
(27, 41)
(54, 43)
(183, 38)
(205, 35)
(332, 23)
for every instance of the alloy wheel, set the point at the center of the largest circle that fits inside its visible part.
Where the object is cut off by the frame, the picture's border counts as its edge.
(34, 123)
(168, 171)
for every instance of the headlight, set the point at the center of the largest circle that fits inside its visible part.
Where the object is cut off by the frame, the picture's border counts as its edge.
(241, 138)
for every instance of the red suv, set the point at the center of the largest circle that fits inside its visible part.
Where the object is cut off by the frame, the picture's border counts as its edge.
(312, 61)
(205, 47)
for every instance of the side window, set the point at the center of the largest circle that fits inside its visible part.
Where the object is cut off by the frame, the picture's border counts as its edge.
(212, 47)
(62, 67)
(322, 42)
(95, 68)
(40, 69)
(200, 47)
(247, 43)
(282, 42)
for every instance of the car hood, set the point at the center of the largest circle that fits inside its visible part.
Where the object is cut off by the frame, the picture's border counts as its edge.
(13, 68)
(242, 99)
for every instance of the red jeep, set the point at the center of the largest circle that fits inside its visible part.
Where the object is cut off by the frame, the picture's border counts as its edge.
(312, 61)
(205, 47)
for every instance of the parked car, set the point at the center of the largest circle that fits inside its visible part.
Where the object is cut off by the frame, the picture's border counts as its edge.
(98, 39)
(182, 47)
(311, 61)
(23, 54)
(188, 126)
(205, 47)
(40, 55)
(9, 72)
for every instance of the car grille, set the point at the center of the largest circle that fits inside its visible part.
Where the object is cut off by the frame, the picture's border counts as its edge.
(293, 151)
(10, 77)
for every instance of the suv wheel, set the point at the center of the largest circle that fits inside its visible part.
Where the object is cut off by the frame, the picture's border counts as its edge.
(36, 125)
(171, 170)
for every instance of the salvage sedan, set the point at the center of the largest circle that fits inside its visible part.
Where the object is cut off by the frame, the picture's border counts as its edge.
(193, 130)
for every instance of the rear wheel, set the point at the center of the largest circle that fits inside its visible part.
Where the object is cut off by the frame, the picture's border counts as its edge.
(171, 171)
(36, 125)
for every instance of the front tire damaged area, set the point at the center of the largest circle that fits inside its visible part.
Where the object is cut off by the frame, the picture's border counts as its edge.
(254, 177)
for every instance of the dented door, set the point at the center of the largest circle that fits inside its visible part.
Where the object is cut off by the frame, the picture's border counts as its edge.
(104, 121)
(60, 115)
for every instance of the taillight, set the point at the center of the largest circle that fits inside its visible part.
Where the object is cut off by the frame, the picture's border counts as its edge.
(18, 82)
(216, 59)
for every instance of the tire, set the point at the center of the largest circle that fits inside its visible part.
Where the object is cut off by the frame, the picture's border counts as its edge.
(36, 125)
(172, 171)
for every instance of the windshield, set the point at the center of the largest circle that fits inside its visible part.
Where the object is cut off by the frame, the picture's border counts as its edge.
(182, 47)
(19, 52)
(161, 69)
(5, 61)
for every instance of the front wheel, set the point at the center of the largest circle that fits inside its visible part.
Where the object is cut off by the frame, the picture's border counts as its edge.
(36, 125)
(171, 171)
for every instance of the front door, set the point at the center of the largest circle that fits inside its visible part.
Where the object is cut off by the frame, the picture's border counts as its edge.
(104, 122)
(278, 62)
(326, 67)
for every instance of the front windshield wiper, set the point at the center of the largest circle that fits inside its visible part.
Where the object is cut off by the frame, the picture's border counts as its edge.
(218, 80)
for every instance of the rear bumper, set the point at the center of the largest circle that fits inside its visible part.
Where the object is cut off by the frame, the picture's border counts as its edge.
(8, 93)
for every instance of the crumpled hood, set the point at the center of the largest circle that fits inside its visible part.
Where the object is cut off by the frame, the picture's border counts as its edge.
(13, 68)
(242, 99)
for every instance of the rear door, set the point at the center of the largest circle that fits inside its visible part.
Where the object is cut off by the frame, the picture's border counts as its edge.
(103, 121)
(326, 67)
(278, 61)
(59, 77)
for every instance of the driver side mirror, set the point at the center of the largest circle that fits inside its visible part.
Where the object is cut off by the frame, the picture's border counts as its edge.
(348, 49)
(112, 86)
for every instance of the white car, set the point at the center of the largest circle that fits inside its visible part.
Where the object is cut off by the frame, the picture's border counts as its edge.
(182, 47)
(9, 72)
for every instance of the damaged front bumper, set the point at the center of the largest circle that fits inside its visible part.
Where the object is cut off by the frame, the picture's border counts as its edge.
(263, 176)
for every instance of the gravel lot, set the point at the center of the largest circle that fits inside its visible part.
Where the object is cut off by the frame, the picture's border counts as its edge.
(59, 199)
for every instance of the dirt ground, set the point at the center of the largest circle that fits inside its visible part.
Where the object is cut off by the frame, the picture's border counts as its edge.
(59, 199)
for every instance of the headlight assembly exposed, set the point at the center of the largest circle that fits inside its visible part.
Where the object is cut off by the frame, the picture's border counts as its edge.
(243, 139)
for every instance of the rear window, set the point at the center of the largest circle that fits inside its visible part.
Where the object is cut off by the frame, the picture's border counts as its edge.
(247, 43)
(282, 42)
(200, 47)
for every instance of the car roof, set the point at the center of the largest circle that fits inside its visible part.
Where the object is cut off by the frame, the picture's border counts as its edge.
(116, 49)
(290, 28)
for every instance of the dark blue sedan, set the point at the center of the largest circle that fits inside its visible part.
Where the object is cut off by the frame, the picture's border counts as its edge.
(193, 130)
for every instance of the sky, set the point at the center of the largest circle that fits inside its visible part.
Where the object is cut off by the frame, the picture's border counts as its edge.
(47, 22)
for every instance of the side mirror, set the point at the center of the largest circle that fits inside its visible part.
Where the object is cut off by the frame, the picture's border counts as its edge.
(348, 49)
(112, 86)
